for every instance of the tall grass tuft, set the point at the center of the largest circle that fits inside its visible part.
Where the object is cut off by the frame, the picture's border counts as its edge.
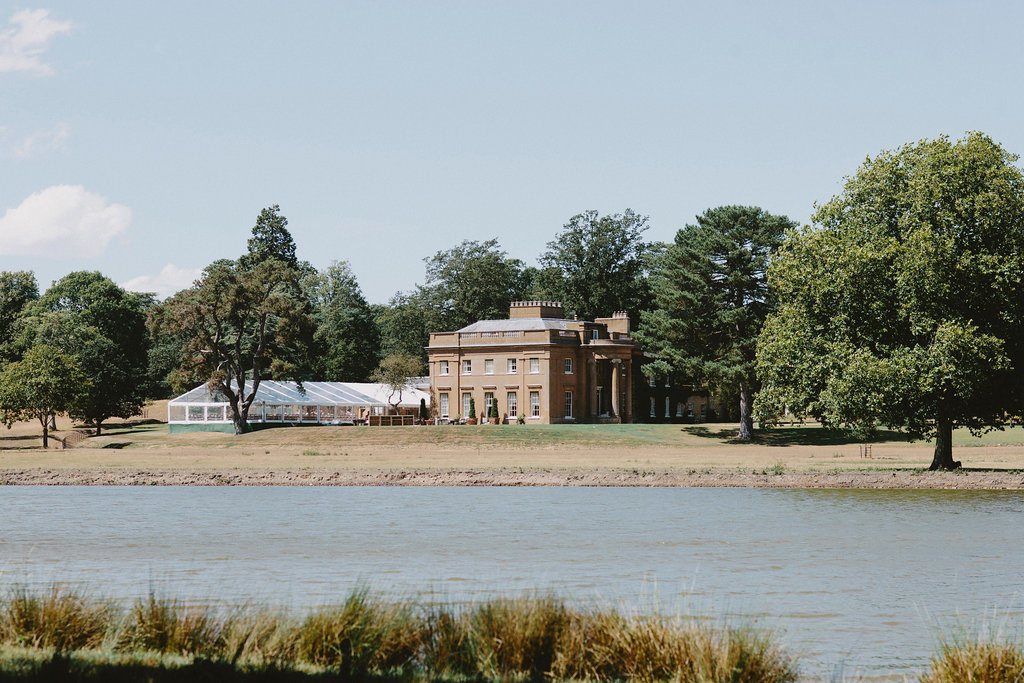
(516, 637)
(364, 634)
(60, 618)
(977, 662)
(170, 626)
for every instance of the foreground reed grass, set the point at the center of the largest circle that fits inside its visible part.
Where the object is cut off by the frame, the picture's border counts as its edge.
(978, 661)
(61, 634)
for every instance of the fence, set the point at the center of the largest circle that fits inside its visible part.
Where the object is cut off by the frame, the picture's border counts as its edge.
(391, 420)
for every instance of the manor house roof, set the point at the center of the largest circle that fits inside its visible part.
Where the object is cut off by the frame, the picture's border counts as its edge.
(521, 324)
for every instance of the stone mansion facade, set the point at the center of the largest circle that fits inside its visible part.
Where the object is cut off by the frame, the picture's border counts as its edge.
(545, 368)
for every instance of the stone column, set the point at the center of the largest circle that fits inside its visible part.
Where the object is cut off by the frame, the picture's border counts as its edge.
(595, 410)
(629, 390)
(616, 363)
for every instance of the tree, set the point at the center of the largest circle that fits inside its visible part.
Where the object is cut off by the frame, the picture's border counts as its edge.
(346, 344)
(46, 381)
(104, 327)
(405, 325)
(903, 304)
(270, 240)
(396, 372)
(710, 299)
(596, 265)
(471, 281)
(242, 323)
(17, 290)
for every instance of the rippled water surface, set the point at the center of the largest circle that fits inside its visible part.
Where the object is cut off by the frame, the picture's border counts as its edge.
(852, 580)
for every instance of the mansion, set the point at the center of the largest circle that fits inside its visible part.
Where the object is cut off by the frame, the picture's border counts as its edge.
(543, 368)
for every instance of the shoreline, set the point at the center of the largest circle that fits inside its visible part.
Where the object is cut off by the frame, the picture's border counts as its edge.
(968, 479)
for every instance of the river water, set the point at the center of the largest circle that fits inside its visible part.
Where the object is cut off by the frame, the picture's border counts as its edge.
(856, 582)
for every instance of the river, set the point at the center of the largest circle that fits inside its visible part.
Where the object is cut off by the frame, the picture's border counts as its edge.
(856, 582)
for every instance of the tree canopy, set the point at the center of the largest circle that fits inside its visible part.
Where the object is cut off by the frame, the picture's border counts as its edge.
(104, 327)
(17, 290)
(903, 304)
(346, 344)
(596, 265)
(46, 381)
(395, 372)
(244, 321)
(710, 298)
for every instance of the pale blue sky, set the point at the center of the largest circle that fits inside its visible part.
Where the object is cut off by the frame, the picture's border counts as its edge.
(387, 131)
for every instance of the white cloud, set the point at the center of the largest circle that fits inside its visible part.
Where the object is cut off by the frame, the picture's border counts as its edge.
(63, 220)
(26, 38)
(170, 280)
(43, 141)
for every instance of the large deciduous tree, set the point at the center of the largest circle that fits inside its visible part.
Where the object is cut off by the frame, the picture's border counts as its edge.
(346, 344)
(46, 381)
(471, 281)
(903, 304)
(104, 327)
(243, 322)
(17, 290)
(710, 299)
(596, 265)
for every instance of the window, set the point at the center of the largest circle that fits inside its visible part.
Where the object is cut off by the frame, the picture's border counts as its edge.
(488, 400)
(467, 367)
(534, 366)
(489, 366)
(568, 366)
(689, 410)
(704, 412)
(668, 410)
(466, 396)
(593, 334)
(442, 367)
(534, 404)
(326, 413)
(443, 399)
(667, 384)
(679, 410)
(652, 406)
(511, 366)
(651, 381)
(568, 404)
(513, 405)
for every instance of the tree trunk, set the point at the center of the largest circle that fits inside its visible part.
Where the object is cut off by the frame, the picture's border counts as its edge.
(943, 458)
(46, 431)
(98, 423)
(746, 418)
(51, 422)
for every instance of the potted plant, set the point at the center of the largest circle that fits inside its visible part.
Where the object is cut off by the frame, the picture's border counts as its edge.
(494, 413)
(424, 412)
(471, 417)
(521, 420)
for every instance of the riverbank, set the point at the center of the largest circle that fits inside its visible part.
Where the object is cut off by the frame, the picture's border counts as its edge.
(511, 455)
(776, 477)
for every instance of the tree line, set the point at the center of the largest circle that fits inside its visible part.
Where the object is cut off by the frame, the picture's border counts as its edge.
(899, 305)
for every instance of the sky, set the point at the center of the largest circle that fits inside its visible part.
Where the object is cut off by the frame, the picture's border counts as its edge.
(142, 139)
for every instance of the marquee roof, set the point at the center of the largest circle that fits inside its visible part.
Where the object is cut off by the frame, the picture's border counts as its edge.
(314, 393)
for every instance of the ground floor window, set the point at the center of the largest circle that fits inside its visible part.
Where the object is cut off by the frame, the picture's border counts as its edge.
(513, 406)
(466, 397)
(668, 409)
(443, 400)
(534, 404)
(652, 406)
(568, 404)
(679, 410)
(488, 402)
(689, 410)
